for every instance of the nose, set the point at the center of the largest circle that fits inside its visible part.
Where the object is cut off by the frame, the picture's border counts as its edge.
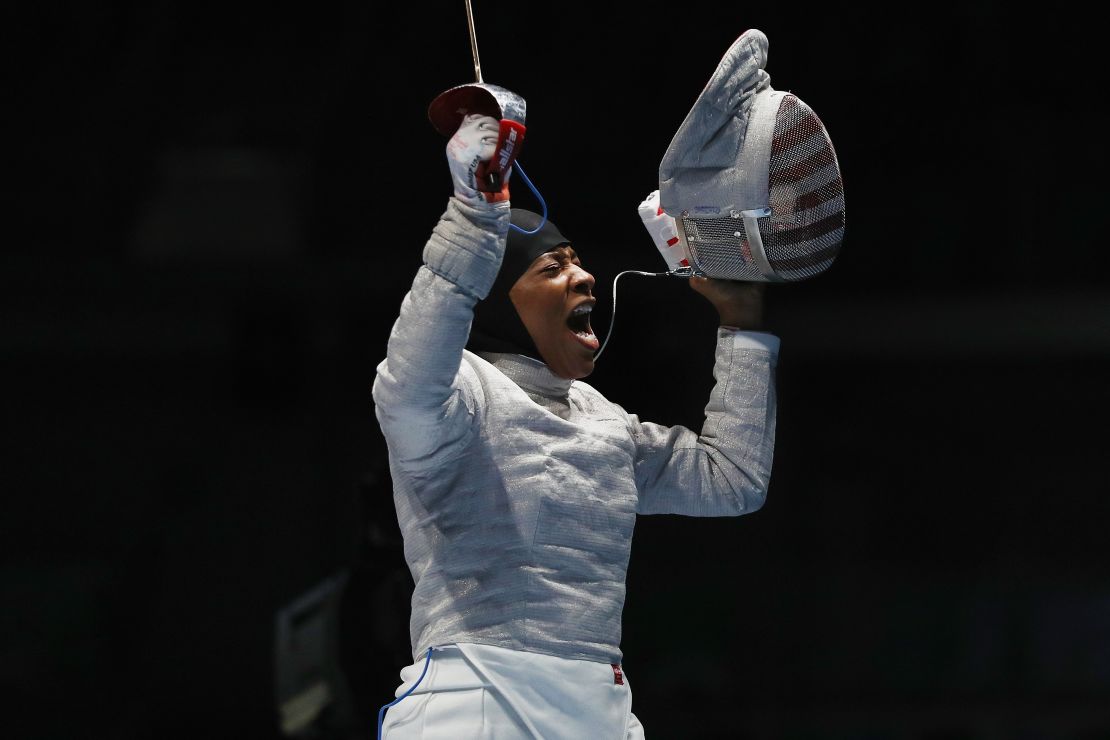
(581, 281)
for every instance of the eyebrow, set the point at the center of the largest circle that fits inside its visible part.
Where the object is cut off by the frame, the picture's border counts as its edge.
(562, 248)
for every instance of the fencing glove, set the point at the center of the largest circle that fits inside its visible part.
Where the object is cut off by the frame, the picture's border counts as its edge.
(474, 143)
(664, 233)
(453, 113)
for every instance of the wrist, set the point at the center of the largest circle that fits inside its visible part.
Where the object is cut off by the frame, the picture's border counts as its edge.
(744, 307)
(741, 325)
(474, 199)
(750, 319)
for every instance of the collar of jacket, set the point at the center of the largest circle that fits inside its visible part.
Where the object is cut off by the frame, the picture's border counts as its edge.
(530, 374)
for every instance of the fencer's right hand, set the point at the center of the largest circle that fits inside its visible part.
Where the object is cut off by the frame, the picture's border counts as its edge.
(474, 143)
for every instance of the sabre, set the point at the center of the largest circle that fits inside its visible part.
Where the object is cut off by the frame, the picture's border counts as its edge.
(473, 41)
(448, 109)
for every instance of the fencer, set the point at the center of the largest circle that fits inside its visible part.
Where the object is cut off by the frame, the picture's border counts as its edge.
(517, 485)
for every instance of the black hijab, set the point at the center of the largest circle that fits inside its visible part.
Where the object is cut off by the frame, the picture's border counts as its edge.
(497, 326)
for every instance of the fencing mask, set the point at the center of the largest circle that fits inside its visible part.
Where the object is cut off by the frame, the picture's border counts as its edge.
(751, 177)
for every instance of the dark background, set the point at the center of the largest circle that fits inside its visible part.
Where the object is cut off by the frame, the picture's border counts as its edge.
(215, 210)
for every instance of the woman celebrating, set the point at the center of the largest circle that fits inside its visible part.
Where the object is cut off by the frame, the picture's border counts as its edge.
(517, 485)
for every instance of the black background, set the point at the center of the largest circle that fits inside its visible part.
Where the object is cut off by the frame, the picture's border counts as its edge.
(215, 210)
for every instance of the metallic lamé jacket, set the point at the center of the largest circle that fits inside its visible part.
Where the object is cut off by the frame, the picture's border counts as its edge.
(517, 491)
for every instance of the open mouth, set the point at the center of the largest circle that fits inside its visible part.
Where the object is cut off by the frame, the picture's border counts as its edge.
(579, 324)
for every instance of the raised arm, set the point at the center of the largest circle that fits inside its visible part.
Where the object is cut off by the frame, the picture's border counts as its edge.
(422, 404)
(724, 470)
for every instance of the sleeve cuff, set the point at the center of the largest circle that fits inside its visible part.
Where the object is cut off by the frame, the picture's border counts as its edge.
(750, 339)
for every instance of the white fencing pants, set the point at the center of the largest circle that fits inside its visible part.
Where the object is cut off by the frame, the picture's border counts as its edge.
(482, 691)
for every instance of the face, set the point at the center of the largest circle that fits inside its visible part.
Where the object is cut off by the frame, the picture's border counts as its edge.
(554, 299)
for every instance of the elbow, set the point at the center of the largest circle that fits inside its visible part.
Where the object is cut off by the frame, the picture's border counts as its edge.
(739, 489)
(755, 482)
(753, 493)
(755, 499)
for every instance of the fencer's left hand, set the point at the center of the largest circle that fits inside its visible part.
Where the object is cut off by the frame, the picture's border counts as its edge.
(739, 304)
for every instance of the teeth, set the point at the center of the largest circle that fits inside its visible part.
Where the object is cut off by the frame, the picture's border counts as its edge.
(581, 310)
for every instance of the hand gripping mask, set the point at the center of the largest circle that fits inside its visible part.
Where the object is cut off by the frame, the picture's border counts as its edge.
(751, 177)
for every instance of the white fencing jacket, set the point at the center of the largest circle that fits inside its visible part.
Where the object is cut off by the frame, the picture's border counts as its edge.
(516, 490)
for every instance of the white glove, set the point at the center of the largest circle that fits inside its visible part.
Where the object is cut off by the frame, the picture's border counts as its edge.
(472, 144)
(663, 232)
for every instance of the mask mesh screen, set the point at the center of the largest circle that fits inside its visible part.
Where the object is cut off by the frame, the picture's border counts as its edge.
(802, 235)
(720, 248)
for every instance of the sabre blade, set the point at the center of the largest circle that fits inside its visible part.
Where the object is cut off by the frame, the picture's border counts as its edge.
(473, 41)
